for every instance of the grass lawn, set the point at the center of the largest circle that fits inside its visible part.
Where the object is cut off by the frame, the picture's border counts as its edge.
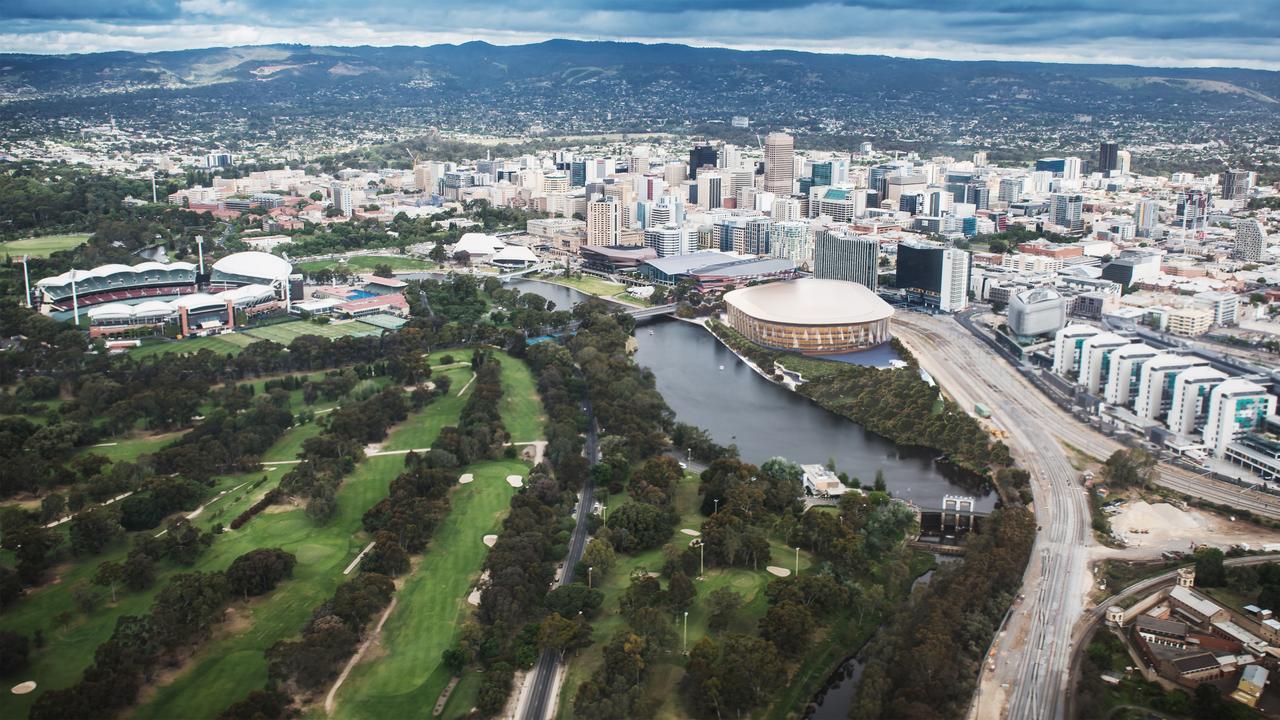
(406, 676)
(71, 636)
(284, 333)
(431, 600)
(589, 284)
(367, 263)
(129, 448)
(42, 246)
(521, 409)
(225, 669)
(748, 583)
(227, 344)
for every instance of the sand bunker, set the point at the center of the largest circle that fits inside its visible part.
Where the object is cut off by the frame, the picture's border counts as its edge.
(691, 533)
(515, 481)
(779, 571)
(490, 540)
(466, 478)
(474, 597)
(23, 688)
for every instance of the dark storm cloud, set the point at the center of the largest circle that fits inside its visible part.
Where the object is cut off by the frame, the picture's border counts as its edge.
(1154, 32)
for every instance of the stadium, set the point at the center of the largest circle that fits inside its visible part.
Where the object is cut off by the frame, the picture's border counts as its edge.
(196, 313)
(811, 316)
(118, 296)
(117, 283)
(250, 268)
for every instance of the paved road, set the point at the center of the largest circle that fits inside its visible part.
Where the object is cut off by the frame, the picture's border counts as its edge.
(1031, 657)
(537, 702)
(1032, 654)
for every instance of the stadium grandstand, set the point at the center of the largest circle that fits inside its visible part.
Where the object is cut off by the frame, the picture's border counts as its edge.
(195, 313)
(116, 284)
(250, 268)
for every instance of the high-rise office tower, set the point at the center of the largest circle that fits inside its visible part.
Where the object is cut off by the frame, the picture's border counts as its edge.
(1108, 157)
(822, 173)
(1065, 210)
(675, 173)
(710, 190)
(839, 255)
(779, 163)
(1237, 184)
(934, 274)
(604, 222)
(702, 155)
(672, 239)
(1251, 240)
(342, 199)
(1146, 213)
(1124, 161)
(1011, 189)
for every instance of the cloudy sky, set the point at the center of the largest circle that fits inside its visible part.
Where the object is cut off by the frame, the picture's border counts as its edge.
(1238, 33)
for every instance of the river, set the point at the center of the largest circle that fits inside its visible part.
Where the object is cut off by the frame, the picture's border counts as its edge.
(736, 405)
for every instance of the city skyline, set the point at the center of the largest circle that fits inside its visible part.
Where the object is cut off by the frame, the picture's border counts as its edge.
(1169, 34)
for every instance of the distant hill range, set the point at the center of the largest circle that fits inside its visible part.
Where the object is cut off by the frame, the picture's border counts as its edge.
(557, 82)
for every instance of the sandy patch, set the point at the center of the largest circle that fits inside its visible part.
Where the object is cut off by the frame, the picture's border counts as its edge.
(474, 597)
(466, 478)
(24, 687)
(778, 571)
(490, 540)
(372, 448)
(690, 532)
(515, 481)
(1152, 528)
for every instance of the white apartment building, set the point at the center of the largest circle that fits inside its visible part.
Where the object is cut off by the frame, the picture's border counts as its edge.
(1095, 355)
(1191, 390)
(1067, 346)
(1236, 406)
(1155, 384)
(1125, 371)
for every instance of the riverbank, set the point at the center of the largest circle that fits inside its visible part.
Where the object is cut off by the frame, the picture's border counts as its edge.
(894, 403)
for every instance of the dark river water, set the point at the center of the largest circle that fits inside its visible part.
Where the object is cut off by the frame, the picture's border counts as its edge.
(765, 420)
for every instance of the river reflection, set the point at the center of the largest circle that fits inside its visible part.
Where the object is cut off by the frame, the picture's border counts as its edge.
(738, 406)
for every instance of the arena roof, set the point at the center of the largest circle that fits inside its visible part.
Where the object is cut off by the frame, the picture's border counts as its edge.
(810, 301)
(255, 265)
(515, 253)
(477, 244)
(110, 269)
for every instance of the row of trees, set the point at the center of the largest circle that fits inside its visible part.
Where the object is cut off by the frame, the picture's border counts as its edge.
(183, 615)
(401, 525)
(330, 456)
(897, 404)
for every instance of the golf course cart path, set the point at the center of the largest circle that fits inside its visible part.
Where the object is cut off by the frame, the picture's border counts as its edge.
(377, 631)
(464, 387)
(359, 557)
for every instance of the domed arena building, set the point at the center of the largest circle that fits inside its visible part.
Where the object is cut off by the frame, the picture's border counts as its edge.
(810, 315)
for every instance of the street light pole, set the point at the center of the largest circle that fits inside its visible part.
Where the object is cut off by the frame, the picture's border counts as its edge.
(717, 501)
(797, 561)
(686, 632)
(589, 569)
(702, 551)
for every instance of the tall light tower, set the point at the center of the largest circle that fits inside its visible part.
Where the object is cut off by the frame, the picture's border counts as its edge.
(26, 278)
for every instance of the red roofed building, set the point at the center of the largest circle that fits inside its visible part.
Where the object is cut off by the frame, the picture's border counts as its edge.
(394, 304)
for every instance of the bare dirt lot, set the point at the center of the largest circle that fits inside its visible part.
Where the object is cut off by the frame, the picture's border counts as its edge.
(1150, 529)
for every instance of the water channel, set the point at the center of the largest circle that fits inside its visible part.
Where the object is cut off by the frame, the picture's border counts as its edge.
(708, 386)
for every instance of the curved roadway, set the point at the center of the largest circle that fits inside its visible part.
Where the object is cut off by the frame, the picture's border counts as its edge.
(1032, 653)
